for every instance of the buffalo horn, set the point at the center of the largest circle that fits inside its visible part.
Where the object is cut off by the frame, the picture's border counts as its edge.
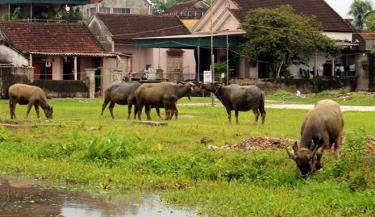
(312, 154)
(291, 155)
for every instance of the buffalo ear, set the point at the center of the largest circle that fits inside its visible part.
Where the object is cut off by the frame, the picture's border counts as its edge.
(295, 147)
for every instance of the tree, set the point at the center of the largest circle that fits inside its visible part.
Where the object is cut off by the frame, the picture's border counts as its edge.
(16, 15)
(358, 10)
(281, 36)
(370, 22)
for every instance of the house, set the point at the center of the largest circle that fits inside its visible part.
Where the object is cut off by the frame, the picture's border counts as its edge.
(189, 11)
(116, 33)
(36, 9)
(116, 7)
(58, 51)
(366, 77)
(226, 17)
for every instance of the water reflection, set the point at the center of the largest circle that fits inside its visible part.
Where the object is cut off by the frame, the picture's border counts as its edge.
(19, 198)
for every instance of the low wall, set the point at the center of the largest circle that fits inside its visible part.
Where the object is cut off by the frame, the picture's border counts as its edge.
(63, 88)
(304, 85)
(11, 75)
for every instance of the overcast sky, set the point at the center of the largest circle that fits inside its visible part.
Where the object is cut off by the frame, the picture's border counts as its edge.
(342, 6)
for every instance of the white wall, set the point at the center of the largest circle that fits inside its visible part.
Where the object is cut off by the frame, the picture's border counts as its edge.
(339, 36)
(9, 55)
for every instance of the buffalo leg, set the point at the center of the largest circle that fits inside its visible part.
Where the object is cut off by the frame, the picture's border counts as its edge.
(158, 112)
(139, 111)
(135, 111)
(236, 114)
(262, 111)
(318, 164)
(29, 106)
(129, 110)
(105, 103)
(229, 116)
(37, 110)
(111, 106)
(337, 146)
(148, 112)
(12, 108)
(256, 113)
(175, 112)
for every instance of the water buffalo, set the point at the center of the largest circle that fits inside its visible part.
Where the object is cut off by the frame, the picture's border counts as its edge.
(239, 98)
(161, 95)
(29, 95)
(322, 127)
(123, 94)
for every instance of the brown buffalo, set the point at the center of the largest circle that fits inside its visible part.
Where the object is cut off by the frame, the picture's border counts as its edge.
(321, 129)
(31, 96)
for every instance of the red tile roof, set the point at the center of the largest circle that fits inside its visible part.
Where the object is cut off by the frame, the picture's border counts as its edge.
(329, 19)
(367, 36)
(126, 27)
(188, 10)
(50, 37)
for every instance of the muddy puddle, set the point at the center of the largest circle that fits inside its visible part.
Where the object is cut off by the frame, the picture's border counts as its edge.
(20, 198)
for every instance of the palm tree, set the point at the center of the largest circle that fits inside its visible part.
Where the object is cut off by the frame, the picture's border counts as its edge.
(358, 10)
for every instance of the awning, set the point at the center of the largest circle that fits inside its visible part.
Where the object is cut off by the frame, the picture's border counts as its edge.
(75, 54)
(191, 41)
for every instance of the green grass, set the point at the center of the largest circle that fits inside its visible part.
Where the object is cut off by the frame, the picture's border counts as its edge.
(342, 96)
(82, 148)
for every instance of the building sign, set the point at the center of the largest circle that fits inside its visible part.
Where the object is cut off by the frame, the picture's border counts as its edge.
(207, 77)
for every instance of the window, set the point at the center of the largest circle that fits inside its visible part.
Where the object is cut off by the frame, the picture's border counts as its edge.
(104, 10)
(121, 10)
(92, 11)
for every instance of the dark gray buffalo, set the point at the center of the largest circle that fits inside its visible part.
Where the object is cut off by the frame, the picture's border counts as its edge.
(321, 129)
(122, 93)
(239, 98)
(161, 95)
(29, 95)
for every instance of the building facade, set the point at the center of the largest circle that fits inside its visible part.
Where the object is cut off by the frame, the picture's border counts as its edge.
(116, 7)
(58, 51)
(117, 32)
(36, 9)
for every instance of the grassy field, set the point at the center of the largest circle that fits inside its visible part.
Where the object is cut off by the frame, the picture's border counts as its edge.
(342, 96)
(81, 148)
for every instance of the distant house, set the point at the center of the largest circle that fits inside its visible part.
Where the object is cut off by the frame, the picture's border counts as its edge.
(116, 33)
(116, 7)
(367, 46)
(189, 12)
(57, 51)
(227, 17)
(36, 9)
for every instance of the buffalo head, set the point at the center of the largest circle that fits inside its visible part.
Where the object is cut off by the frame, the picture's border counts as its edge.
(305, 158)
(48, 111)
(212, 87)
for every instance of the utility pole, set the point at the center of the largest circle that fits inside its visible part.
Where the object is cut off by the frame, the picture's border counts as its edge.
(212, 52)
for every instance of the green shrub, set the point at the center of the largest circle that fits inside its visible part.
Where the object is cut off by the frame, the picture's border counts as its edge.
(358, 181)
(352, 155)
(109, 149)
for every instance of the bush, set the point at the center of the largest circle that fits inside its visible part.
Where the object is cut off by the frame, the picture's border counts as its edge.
(352, 155)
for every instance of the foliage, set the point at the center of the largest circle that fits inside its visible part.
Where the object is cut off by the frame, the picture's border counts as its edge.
(281, 36)
(221, 67)
(16, 15)
(370, 22)
(352, 155)
(72, 15)
(359, 9)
